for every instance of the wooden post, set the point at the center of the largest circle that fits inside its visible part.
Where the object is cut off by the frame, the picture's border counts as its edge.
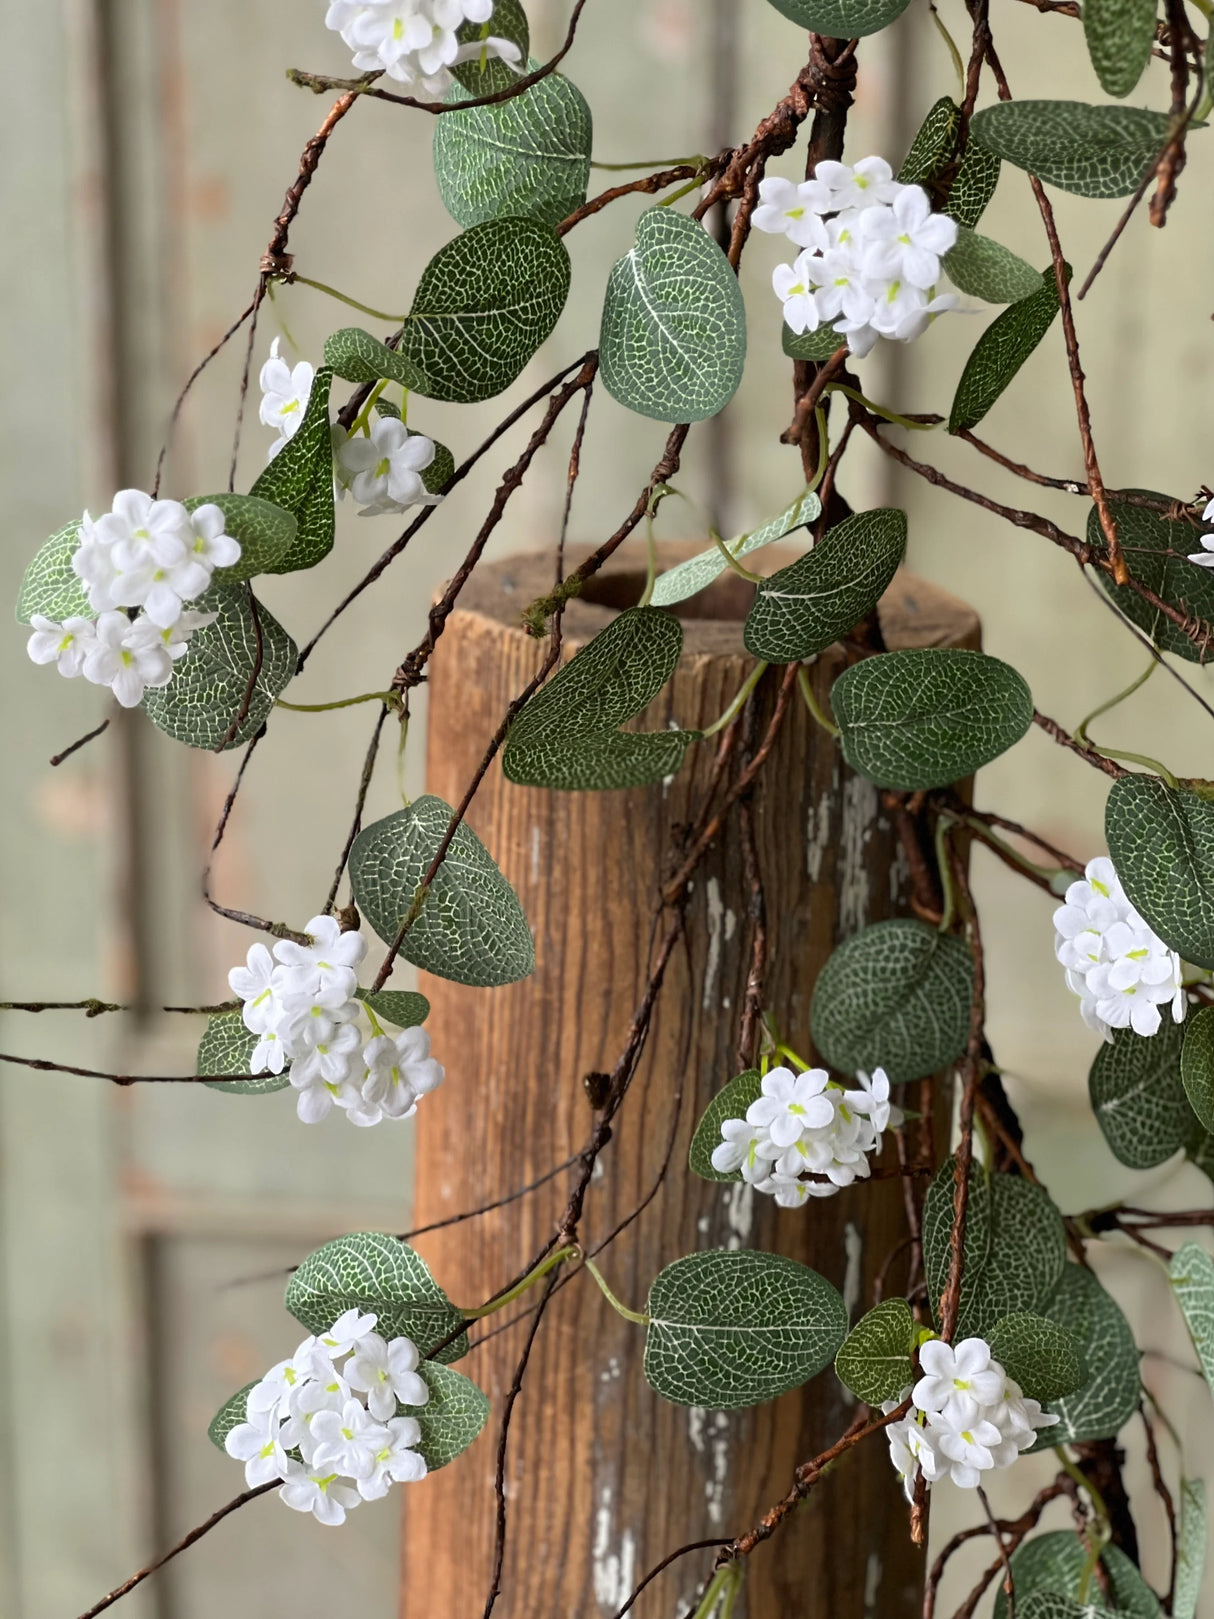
(603, 1477)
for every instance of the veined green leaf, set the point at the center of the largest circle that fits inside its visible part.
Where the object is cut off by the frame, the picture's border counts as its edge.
(1138, 1098)
(371, 1271)
(227, 1048)
(1161, 840)
(485, 77)
(1001, 351)
(451, 1419)
(1045, 1359)
(266, 532)
(471, 928)
(230, 1415)
(897, 996)
(842, 19)
(49, 587)
(1097, 151)
(673, 339)
(875, 1360)
(356, 356)
(930, 716)
(1192, 1274)
(1197, 1065)
(526, 156)
(300, 480)
(404, 1008)
(730, 1102)
(1157, 553)
(931, 153)
(1106, 1401)
(988, 270)
(1119, 34)
(816, 345)
(734, 1329)
(207, 690)
(697, 573)
(1046, 1574)
(807, 606)
(1190, 1548)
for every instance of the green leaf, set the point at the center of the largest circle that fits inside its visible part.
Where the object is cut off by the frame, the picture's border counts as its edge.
(1161, 840)
(227, 1047)
(817, 345)
(1190, 1548)
(528, 156)
(1095, 151)
(697, 573)
(1137, 1096)
(203, 698)
(986, 269)
(300, 480)
(1197, 1064)
(266, 532)
(734, 1329)
(1046, 1575)
(1044, 1358)
(404, 1008)
(509, 21)
(730, 1102)
(928, 717)
(932, 149)
(567, 736)
(1015, 1247)
(1119, 34)
(230, 1415)
(471, 928)
(1102, 1405)
(452, 1418)
(1199, 1150)
(356, 356)
(875, 1361)
(49, 586)
(844, 19)
(673, 340)
(932, 152)
(370, 1270)
(1001, 351)
(897, 996)
(807, 606)
(1157, 553)
(484, 304)
(1192, 1274)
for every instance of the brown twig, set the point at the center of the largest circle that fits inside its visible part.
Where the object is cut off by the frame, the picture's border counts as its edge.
(89, 736)
(1088, 754)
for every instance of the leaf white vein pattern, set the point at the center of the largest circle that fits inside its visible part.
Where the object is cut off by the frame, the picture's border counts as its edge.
(138, 565)
(806, 1135)
(414, 41)
(1205, 557)
(285, 392)
(1119, 967)
(332, 1422)
(870, 252)
(302, 1004)
(969, 1417)
(382, 467)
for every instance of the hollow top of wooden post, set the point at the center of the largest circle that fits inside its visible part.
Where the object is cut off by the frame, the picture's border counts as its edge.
(913, 613)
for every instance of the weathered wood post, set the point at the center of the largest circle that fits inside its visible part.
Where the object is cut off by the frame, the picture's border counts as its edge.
(604, 1478)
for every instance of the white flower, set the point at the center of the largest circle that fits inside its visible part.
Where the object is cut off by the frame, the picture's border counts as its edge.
(125, 553)
(793, 210)
(347, 1441)
(324, 1495)
(383, 471)
(794, 286)
(325, 1390)
(176, 637)
(128, 657)
(414, 41)
(269, 1054)
(329, 1062)
(958, 1379)
(397, 1462)
(312, 1019)
(906, 241)
(66, 645)
(285, 395)
(903, 312)
(253, 984)
(271, 1397)
(741, 1148)
(387, 1374)
(326, 962)
(791, 1103)
(1121, 970)
(399, 1070)
(347, 1333)
(912, 1449)
(871, 181)
(872, 1099)
(967, 1447)
(1205, 557)
(259, 1446)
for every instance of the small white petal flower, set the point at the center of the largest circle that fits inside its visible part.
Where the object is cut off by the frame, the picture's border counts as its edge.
(383, 470)
(347, 1441)
(285, 395)
(128, 657)
(958, 1379)
(65, 644)
(397, 1462)
(791, 1104)
(325, 1495)
(347, 1333)
(259, 1446)
(1205, 557)
(793, 210)
(399, 1070)
(794, 286)
(327, 963)
(387, 1373)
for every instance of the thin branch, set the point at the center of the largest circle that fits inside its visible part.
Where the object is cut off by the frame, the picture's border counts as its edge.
(672, 1557)
(43, 1066)
(89, 736)
(1087, 754)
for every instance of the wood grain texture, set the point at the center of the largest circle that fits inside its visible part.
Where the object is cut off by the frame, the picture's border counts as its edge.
(605, 1478)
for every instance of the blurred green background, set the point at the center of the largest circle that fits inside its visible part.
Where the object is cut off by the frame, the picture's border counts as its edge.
(150, 145)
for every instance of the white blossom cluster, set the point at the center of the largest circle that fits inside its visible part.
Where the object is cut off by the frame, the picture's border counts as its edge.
(969, 1417)
(326, 1422)
(1122, 971)
(870, 252)
(806, 1125)
(139, 564)
(1205, 557)
(380, 467)
(301, 1003)
(413, 41)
